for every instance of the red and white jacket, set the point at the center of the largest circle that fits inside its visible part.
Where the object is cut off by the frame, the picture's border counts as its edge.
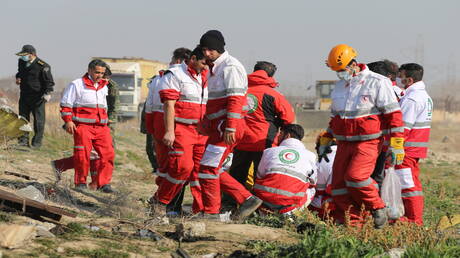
(153, 103)
(268, 110)
(365, 108)
(284, 175)
(417, 110)
(83, 102)
(189, 89)
(323, 184)
(227, 87)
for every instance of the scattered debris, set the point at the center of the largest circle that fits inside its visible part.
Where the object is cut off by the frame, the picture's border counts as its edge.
(60, 250)
(93, 228)
(147, 233)
(32, 208)
(393, 253)
(211, 255)
(11, 124)
(180, 253)
(448, 221)
(190, 230)
(20, 175)
(14, 236)
(32, 193)
(44, 232)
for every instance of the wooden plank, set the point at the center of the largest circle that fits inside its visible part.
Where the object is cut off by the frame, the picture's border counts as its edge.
(32, 207)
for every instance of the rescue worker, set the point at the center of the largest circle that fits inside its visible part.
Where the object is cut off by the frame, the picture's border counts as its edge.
(388, 69)
(363, 103)
(149, 142)
(36, 84)
(113, 103)
(322, 203)
(268, 110)
(417, 110)
(285, 173)
(84, 111)
(154, 121)
(184, 95)
(224, 124)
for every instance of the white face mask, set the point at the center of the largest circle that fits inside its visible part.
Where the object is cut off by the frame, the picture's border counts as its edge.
(344, 75)
(399, 83)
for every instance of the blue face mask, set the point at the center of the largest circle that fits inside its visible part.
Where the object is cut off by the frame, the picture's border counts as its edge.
(24, 58)
(344, 75)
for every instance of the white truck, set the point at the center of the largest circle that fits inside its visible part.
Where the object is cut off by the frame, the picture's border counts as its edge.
(128, 77)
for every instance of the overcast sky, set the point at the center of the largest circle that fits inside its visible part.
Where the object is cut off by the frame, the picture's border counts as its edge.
(295, 35)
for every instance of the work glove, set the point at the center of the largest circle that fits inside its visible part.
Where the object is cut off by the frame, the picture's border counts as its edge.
(47, 97)
(396, 150)
(324, 146)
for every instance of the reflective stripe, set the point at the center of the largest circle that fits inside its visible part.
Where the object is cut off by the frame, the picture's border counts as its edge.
(84, 120)
(356, 113)
(189, 98)
(358, 184)
(288, 172)
(246, 108)
(412, 194)
(277, 191)
(161, 174)
(377, 186)
(415, 144)
(185, 120)
(234, 91)
(417, 125)
(390, 108)
(230, 129)
(233, 115)
(66, 105)
(217, 114)
(104, 121)
(363, 137)
(207, 176)
(340, 191)
(176, 152)
(194, 183)
(157, 107)
(397, 129)
(175, 181)
(90, 106)
(217, 94)
(78, 147)
(66, 113)
(321, 186)
(408, 125)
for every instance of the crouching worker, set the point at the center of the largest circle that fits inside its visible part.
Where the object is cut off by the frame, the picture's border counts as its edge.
(322, 202)
(285, 173)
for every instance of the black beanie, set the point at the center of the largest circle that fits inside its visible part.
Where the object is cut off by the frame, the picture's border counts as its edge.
(213, 39)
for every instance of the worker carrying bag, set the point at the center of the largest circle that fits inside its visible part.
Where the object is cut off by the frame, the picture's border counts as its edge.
(391, 194)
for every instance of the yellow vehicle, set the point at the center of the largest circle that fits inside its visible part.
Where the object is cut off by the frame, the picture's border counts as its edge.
(324, 89)
(132, 76)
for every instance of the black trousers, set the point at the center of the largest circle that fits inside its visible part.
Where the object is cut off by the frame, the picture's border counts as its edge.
(242, 162)
(36, 106)
(379, 171)
(150, 150)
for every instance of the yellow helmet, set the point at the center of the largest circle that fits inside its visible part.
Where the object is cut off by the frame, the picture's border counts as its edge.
(340, 56)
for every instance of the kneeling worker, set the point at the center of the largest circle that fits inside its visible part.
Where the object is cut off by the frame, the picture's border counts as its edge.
(285, 172)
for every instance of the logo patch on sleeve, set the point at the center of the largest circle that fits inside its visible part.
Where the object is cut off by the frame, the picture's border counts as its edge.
(253, 103)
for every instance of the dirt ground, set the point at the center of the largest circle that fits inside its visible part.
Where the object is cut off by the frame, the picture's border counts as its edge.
(120, 215)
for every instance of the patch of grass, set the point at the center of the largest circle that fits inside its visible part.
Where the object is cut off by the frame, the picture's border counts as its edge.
(273, 220)
(5, 217)
(96, 253)
(134, 249)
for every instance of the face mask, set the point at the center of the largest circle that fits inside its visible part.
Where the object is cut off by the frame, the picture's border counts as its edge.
(25, 58)
(399, 83)
(344, 75)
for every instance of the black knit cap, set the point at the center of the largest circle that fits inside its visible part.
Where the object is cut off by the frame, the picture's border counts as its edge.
(213, 39)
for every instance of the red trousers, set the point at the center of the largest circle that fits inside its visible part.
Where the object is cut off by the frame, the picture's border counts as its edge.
(211, 177)
(412, 194)
(68, 163)
(161, 150)
(183, 163)
(352, 185)
(98, 137)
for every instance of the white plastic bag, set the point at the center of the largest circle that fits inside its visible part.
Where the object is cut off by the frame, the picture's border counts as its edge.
(391, 194)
